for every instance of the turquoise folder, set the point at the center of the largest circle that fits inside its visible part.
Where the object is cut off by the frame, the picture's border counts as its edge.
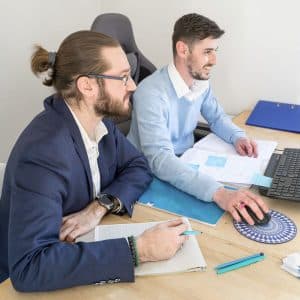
(275, 115)
(162, 195)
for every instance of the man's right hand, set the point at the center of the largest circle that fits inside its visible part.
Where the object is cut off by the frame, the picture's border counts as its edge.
(235, 202)
(162, 241)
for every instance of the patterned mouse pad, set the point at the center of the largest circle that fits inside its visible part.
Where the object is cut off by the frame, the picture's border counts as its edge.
(280, 229)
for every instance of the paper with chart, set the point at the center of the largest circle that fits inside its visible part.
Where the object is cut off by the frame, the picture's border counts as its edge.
(219, 160)
(187, 259)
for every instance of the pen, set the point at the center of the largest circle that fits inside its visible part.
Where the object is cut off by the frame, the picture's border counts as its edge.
(191, 232)
(228, 187)
(238, 260)
(239, 263)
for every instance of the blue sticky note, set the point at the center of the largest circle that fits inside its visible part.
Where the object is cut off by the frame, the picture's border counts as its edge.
(216, 161)
(194, 166)
(261, 180)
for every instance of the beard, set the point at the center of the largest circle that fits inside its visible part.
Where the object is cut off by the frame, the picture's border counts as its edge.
(197, 75)
(109, 106)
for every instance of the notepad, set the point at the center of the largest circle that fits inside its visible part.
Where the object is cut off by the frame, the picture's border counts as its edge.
(188, 259)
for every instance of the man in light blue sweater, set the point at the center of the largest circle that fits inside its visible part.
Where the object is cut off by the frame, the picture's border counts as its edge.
(167, 106)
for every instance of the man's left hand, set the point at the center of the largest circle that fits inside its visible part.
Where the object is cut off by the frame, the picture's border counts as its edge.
(77, 224)
(245, 146)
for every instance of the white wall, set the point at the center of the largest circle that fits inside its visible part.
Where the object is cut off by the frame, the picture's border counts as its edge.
(22, 24)
(259, 56)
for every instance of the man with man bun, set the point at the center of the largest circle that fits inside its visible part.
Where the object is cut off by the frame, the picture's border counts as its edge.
(69, 168)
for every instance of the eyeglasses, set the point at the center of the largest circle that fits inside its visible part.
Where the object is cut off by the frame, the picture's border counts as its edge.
(124, 78)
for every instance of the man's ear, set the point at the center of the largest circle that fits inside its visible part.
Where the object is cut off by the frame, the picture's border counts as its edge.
(85, 86)
(182, 49)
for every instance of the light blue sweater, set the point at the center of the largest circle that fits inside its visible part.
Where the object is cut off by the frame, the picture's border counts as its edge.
(162, 127)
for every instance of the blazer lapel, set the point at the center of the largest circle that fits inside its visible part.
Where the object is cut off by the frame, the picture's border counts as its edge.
(58, 104)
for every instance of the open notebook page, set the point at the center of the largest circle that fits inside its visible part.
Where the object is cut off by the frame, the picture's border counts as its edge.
(187, 259)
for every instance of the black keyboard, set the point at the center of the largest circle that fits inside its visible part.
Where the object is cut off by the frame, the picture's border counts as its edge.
(285, 170)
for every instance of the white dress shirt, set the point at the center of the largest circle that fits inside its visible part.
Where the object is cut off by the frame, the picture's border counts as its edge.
(91, 147)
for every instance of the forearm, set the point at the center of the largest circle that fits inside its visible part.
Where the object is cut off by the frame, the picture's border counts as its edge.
(219, 122)
(39, 261)
(170, 168)
(63, 265)
(228, 131)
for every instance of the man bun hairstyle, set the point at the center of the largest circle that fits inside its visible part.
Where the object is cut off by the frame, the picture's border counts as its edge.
(79, 53)
(194, 27)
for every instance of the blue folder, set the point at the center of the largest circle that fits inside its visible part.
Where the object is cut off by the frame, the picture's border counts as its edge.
(276, 115)
(166, 197)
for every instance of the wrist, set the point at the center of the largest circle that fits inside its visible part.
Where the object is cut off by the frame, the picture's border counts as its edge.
(219, 195)
(99, 210)
(140, 249)
(111, 203)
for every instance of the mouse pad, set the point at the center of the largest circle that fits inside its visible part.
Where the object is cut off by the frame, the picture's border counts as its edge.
(280, 229)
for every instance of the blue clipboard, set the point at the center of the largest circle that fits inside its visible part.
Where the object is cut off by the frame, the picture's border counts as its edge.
(163, 196)
(275, 115)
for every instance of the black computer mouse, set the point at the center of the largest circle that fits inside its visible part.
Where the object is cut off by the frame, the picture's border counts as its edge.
(256, 220)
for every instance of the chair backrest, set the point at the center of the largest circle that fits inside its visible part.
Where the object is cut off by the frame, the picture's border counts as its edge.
(2, 169)
(119, 27)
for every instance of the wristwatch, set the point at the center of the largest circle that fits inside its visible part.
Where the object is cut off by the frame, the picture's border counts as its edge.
(108, 201)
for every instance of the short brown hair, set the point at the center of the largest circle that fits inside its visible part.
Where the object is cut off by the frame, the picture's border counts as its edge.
(193, 27)
(79, 53)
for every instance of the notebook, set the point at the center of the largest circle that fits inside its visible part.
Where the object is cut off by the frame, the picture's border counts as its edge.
(189, 258)
(275, 115)
(163, 196)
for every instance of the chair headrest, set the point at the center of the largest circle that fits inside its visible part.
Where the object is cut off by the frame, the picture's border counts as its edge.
(132, 59)
(2, 169)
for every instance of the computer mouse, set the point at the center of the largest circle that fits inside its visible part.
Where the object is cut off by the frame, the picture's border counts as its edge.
(256, 220)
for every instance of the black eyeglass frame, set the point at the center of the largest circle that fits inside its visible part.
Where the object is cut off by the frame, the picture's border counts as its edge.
(124, 78)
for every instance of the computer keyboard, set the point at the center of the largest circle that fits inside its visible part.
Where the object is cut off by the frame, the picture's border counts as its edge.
(285, 170)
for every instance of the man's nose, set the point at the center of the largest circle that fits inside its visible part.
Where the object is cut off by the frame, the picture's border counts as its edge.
(213, 58)
(131, 86)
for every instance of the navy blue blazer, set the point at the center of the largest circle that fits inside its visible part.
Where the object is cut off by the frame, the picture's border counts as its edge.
(47, 177)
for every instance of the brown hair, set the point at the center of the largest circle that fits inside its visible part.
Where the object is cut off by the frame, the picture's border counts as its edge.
(193, 27)
(79, 53)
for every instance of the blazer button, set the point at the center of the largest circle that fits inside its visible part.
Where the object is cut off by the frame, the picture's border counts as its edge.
(100, 282)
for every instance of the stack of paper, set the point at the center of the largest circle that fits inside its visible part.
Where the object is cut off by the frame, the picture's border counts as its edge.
(291, 264)
(219, 160)
(188, 258)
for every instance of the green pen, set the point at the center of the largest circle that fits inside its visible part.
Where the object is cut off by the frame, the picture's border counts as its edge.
(191, 232)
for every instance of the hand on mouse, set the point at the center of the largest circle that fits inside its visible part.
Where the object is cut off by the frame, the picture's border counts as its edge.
(235, 201)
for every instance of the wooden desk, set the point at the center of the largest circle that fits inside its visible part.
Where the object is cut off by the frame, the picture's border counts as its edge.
(264, 280)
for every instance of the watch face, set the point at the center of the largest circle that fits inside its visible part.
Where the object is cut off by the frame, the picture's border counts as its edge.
(106, 202)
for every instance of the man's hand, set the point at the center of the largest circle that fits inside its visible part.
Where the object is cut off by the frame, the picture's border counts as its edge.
(162, 241)
(77, 224)
(245, 146)
(235, 201)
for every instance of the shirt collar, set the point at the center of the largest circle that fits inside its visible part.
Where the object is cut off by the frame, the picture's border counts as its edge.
(182, 89)
(100, 131)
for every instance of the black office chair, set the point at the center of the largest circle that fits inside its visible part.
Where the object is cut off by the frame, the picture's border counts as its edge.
(119, 27)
